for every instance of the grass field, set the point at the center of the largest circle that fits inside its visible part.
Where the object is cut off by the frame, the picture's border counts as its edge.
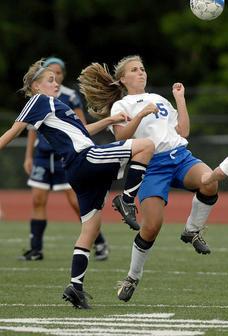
(181, 293)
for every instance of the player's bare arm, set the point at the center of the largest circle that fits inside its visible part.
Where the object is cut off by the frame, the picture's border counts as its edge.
(216, 175)
(98, 126)
(183, 126)
(29, 151)
(79, 112)
(12, 133)
(127, 132)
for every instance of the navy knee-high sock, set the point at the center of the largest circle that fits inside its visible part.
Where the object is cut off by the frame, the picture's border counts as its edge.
(37, 228)
(79, 265)
(134, 178)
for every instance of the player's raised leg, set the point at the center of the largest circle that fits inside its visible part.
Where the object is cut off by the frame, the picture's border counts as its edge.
(142, 151)
(74, 291)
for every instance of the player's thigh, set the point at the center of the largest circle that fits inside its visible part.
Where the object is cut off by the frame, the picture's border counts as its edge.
(139, 145)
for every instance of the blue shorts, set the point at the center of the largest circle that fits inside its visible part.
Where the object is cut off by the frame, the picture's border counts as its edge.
(166, 170)
(92, 172)
(48, 173)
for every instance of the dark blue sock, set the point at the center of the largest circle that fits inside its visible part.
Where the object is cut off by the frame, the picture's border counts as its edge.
(79, 265)
(134, 178)
(37, 228)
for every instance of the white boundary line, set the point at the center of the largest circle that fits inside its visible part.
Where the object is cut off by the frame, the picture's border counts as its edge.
(154, 324)
(116, 305)
(95, 270)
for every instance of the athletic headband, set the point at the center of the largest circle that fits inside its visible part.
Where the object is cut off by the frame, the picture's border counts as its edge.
(54, 60)
(38, 72)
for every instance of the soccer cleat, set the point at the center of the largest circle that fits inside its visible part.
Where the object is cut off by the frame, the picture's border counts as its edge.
(32, 255)
(127, 288)
(76, 297)
(196, 240)
(127, 210)
(101, 251)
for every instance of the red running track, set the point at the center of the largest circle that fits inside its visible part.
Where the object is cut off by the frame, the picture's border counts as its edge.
(17, 205)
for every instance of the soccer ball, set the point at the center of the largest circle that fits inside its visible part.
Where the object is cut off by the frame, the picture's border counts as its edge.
(207, 9)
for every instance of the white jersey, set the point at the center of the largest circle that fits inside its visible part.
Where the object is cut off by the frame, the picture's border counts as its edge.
(159, 127)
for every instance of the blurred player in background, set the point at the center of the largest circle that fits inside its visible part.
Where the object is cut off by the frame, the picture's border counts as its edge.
(46, 173)
(172, 165)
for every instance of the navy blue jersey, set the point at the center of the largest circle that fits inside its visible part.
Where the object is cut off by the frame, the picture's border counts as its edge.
(68, 97)
(58, 123)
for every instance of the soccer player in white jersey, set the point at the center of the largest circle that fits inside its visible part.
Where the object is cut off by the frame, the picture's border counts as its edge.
(172, 165)
(90, 168)
(46, 173)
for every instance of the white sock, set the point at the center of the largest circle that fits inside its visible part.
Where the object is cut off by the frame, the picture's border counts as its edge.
(138, 258)
(198, 216)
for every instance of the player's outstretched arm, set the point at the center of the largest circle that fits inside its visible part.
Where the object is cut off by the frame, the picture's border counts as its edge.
(183, 126)
(216, 175)
(98, 126)
(124, 132)
(31, 138)
(12, 133)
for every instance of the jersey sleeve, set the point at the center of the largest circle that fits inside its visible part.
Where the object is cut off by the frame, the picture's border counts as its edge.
(117, 108)
(224, 166)
(36, 110)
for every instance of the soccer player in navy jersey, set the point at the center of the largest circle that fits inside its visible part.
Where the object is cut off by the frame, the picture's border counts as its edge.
(90, 168)
(46, 173)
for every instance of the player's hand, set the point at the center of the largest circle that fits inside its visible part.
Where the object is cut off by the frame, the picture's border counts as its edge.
(148, 109)
(205, 179)
(178, 90)
(28, 166)
(121, 116)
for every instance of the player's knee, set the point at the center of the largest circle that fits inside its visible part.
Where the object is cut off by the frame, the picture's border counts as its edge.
(210, 189)
(39, 202)
(209, 200)
(148, 146)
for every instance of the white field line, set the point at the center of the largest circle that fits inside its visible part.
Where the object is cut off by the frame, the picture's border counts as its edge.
(50, 239)
(159, 318)
(101, 332)
(11, 241)
(117, 305)
(150, 324)
(161, 324)
(138, 315)
(96, 270)
(20, 240)
(31, 286)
